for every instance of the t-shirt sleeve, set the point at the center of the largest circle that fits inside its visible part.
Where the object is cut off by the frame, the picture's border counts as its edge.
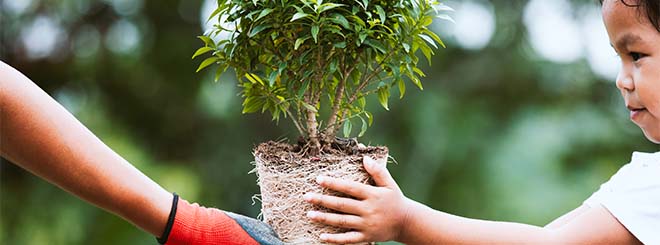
(632, 195)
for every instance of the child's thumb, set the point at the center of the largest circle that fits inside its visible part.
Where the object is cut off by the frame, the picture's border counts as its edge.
(379, 172)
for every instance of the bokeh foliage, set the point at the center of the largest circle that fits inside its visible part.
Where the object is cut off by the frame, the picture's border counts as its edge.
(498, 133)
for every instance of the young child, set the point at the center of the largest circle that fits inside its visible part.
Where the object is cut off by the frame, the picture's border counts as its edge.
(39, 135)
(625, 210)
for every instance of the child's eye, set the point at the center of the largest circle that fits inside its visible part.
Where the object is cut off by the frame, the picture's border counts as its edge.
(636, 56)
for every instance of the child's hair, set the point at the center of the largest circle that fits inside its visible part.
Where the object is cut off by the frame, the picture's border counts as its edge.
(652, 8)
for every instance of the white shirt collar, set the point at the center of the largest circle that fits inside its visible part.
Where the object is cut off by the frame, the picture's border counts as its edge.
(645, 157)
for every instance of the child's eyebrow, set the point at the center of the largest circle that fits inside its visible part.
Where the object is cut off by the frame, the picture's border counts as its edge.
(626, 40)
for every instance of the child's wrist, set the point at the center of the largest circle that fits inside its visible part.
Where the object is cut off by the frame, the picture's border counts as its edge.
(411, 211)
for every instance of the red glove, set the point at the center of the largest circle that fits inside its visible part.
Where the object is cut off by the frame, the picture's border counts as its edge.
(194, 224)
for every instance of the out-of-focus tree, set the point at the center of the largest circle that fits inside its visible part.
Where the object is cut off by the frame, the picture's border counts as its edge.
(519, 119)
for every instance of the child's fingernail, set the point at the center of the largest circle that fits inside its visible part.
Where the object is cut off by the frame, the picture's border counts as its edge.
(312, 214)
(320, 179)
(324, 237)
(307, 197)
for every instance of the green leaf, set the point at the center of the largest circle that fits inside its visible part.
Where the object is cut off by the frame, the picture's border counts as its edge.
(427, 52)
(264, 13)
(258, 29)
(340, 20)
(266, 106)
(281, 68)
(303, 88)
(357, 21)
(249, 16)
(402, 88)
(419, 72)
(381, 14)
(375, 44)
(252, 104)
(299, 41)
(445, 17)
(362, 102)
(298, 16)
(215, 12)
(415, 80)
(315, 32)
(207, 62)
(201, 51)
(406, 47)
(428, 40)
(328, 6)
(383, 96)
(442, 7)
(341, 44)
(253, 78)
(334, 64)
(370, 117)
(207, 41)
(362, 36)
(394, 71)
(435, 37)
(348, 126)
(364, 127)
(426, 21)
(272, 78)
(309, 107)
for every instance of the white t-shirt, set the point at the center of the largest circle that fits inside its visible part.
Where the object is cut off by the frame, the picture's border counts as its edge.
(632, 195)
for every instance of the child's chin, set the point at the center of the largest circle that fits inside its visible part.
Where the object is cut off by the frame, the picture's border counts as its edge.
(653, 137)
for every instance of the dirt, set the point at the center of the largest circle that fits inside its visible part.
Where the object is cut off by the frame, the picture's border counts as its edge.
(286, 172)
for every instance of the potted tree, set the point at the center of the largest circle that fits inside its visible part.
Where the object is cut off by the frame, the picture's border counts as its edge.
(315, 62)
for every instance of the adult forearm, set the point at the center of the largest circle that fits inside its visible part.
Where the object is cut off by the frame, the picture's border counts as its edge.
(42, 137)
(427, 226)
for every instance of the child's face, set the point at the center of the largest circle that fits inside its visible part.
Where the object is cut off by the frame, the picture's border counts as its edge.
(638, 44)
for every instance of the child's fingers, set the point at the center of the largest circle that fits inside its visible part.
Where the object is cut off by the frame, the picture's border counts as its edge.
(337, 220)
(352, 188)
(344, 238)
(379, 172)
(340, 204)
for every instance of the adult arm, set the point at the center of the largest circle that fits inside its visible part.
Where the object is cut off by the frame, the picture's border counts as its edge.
(39, 135)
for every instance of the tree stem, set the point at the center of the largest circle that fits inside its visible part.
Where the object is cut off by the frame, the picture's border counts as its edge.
(312, 125)
(332, 126)
(366, 81)
(295, 122)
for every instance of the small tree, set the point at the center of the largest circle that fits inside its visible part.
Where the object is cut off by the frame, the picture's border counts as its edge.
(315, 61)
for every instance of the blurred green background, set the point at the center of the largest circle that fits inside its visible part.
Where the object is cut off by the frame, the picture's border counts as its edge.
(519, 120)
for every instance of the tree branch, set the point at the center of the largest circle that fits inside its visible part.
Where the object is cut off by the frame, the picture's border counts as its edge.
(331, 128)
(296, 122)
(366, 81)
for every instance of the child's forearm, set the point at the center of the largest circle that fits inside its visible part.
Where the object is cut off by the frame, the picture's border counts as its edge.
(42, 137)
(427, 226)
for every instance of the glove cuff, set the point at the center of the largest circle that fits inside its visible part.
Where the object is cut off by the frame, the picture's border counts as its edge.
(194, 224)
(170, 220)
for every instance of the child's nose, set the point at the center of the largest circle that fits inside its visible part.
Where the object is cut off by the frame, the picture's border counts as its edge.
(624, 82)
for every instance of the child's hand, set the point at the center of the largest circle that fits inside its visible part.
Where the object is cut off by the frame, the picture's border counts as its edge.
(377, 213)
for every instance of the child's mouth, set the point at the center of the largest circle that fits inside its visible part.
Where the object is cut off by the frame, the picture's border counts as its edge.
(635, 112)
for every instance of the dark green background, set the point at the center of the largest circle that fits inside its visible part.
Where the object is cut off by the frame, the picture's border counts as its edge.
(496, 134)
